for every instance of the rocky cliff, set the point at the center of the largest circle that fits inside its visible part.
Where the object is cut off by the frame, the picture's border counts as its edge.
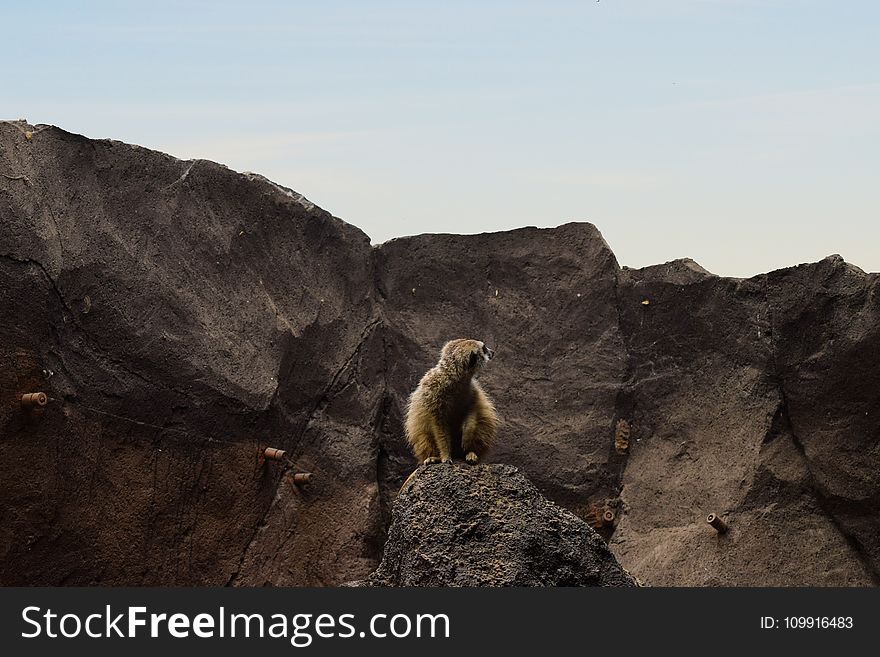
(182, 317)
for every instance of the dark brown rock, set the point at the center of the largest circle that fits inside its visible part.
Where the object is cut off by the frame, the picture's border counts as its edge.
(487, 525)
(711, 434)
(545, 300)
(183, 316)
(224, 314)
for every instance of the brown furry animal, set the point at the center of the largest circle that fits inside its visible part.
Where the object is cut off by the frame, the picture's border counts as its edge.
(448, 414)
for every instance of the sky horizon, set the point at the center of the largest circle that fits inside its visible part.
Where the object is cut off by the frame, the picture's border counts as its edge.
(740, 133)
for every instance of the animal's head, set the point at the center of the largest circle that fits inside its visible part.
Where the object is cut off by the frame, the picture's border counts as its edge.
(466, 354)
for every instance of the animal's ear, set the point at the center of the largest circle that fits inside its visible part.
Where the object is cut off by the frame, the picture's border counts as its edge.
(473, 358)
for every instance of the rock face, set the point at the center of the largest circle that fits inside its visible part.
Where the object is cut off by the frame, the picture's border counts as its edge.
(546, 301)
(183, 316)
(460, 525)
(733, 388)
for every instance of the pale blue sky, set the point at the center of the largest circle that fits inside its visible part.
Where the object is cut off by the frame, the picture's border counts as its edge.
(742, 133)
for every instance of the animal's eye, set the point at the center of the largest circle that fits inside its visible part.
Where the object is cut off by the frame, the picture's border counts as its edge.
(473, 358)
(485, 349)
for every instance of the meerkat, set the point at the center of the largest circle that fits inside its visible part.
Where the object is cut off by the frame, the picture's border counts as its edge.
(448, 414)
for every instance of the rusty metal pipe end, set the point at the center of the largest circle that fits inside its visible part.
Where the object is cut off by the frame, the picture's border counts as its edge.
(274, 454)
(302, 478)
(34, 400)
(716, 522)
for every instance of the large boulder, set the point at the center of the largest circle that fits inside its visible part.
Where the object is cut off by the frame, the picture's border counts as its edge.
(753, 399)
(182, 316)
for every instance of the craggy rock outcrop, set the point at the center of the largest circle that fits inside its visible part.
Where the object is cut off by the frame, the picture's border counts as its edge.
(183, 316)
(714, 365)
(487, 525)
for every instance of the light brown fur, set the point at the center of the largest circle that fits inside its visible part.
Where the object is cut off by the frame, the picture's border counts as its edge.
(448, 413)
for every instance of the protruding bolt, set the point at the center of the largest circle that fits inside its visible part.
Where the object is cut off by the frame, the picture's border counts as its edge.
(34, 400)
(302, 478)
(719, 525)
(274, 454)
(608, 516)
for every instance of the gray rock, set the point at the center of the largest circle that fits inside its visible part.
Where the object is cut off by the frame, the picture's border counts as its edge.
(487, 525)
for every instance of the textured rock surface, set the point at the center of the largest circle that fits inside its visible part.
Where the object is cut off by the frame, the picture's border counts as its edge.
(712, 416)
(488, 525)
(546, 301)
(183, 316)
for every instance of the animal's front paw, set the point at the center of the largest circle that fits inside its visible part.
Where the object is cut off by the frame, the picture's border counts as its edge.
(471, 458)
(447, 460)
(431, 460)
